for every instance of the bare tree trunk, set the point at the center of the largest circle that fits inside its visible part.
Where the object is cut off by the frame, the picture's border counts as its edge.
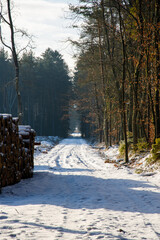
(148, 75)
(102, 71)
(130, 109)
(123, 88)
(16, 64)
(136, 77)
(98, 114)
(149, 98)
(110, 124)
(157, 35)
(111, 52)
(135, 112)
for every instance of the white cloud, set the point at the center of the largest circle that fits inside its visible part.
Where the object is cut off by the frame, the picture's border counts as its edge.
(40, 10)
(45, 20)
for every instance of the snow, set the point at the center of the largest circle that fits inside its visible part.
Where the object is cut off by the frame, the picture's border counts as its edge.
(47, 143)
(74, 194)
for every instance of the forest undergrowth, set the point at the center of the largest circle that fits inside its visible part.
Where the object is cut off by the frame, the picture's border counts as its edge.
(142, 160)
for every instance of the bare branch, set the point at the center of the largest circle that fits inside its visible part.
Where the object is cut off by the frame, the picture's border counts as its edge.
(7, 46)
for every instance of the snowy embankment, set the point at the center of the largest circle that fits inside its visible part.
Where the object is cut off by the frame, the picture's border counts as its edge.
(74, 194)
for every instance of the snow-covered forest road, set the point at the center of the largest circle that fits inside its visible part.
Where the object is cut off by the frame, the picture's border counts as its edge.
(75, 195)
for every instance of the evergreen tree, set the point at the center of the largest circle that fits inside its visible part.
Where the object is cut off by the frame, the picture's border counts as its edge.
(45, 88)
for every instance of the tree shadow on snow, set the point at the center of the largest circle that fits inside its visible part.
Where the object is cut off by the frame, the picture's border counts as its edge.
(81, 191)
(59, 168)
(62, 230)
(73, 141)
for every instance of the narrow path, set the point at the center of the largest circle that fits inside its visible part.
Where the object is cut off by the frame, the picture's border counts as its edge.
(75, 195)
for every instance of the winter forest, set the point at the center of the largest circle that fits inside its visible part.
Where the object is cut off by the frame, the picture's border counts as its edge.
(45, 89)
(115, 87)
(80, 138)
(118, 70)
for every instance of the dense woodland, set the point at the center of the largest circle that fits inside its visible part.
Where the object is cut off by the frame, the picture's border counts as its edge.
(36, 89)
(45, 88)
(117, 79)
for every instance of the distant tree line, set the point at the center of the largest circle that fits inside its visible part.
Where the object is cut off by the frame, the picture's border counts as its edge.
(118, 69)
(45, 87)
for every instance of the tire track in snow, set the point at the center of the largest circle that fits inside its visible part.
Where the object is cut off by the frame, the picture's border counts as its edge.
(75, 195)
(83, 155)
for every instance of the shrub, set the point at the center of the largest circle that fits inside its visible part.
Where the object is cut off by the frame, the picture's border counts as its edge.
(122, 146)
(142, 145)
(138, 171)
(156, 151)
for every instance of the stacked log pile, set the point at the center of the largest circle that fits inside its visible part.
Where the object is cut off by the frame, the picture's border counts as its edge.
(16, 150)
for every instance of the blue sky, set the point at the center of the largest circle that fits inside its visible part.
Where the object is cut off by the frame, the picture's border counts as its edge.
(45, 20)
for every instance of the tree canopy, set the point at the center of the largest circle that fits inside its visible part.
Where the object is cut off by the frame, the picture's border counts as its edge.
(118, 69)
(45, 88)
